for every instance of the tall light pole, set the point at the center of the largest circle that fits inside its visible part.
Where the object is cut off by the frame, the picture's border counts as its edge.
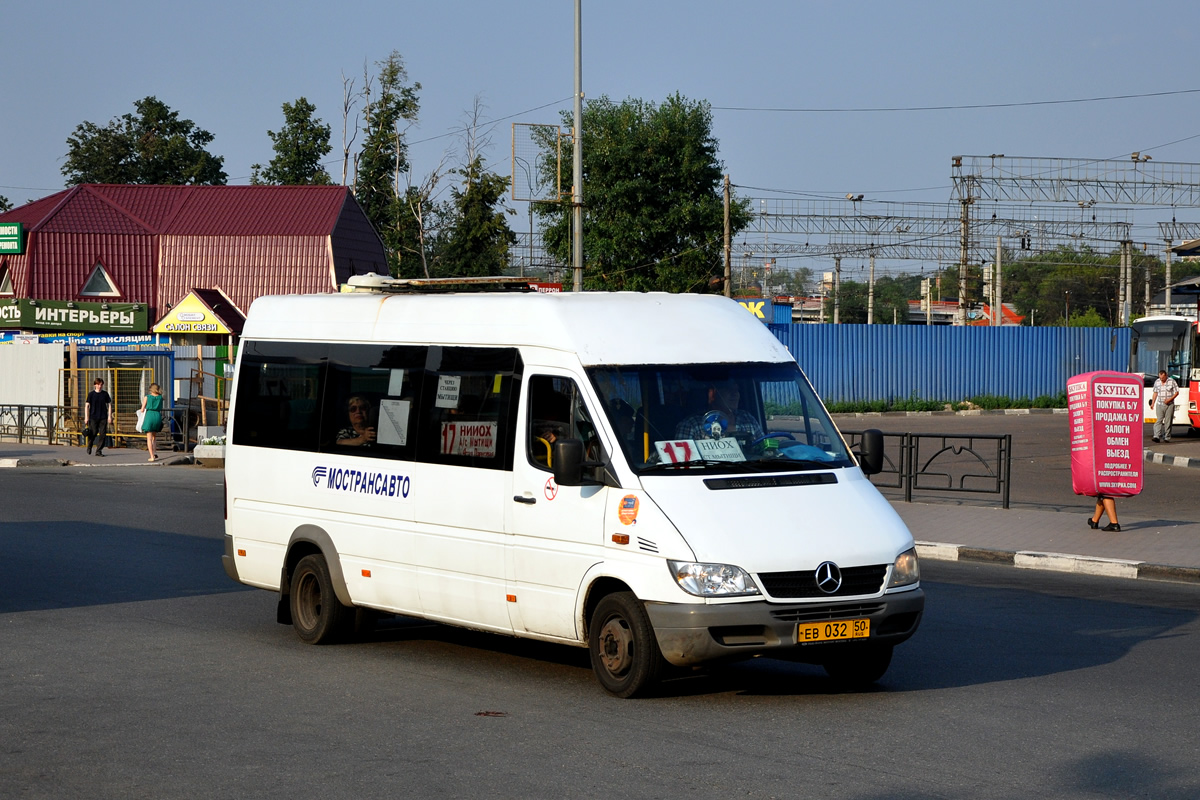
(577, 165)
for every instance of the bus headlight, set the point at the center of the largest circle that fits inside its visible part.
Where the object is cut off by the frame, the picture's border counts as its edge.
(905, 570)
(709, 580)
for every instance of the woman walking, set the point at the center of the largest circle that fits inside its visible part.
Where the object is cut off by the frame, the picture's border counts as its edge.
(1104, 505)
(152, 423)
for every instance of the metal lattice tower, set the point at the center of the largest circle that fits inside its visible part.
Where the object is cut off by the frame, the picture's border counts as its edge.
(1138, 181)
(937, 232)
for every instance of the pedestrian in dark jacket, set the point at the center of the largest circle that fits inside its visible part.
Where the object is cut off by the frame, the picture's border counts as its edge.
(97, 416)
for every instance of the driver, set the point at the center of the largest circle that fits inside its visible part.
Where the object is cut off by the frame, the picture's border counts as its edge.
(722, 417)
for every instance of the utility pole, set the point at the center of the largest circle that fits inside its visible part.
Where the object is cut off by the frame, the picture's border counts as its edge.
(997, 305)
(964, 246)
(1126, 287)
(871, 292)
(1146, 307)
(837, 287)
(577, 171)
(1168, 276)
(728, 253)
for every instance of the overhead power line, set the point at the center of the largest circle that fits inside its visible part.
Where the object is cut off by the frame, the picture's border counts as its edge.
(965, 107)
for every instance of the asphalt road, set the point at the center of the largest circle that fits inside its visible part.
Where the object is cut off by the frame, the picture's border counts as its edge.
(131, 666)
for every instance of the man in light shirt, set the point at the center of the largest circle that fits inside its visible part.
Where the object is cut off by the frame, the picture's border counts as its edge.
(1165, 392)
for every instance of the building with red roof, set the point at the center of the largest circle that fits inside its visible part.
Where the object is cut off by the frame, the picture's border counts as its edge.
(152, 245)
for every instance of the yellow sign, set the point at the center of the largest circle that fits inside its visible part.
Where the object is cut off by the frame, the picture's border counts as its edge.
(191, 316)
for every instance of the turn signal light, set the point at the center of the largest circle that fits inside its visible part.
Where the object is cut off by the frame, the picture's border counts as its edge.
(621, 538)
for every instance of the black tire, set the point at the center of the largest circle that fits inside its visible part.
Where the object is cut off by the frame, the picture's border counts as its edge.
(859, 667)
(623, 648)
(317, 615)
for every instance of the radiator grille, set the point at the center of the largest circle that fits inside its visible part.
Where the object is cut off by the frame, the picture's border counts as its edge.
(855, 580)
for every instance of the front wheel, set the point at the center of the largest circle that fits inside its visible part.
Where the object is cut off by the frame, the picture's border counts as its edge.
(317, 615)
(624, 651)
(859, 667)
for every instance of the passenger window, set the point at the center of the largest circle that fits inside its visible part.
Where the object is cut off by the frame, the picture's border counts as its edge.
(278, 403)
(556, 411)
(469, 408)
(370, 400)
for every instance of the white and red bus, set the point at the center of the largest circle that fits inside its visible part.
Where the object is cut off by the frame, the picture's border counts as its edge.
(1168, 343)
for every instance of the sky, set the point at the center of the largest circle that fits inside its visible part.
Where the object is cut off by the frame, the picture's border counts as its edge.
(229, 66)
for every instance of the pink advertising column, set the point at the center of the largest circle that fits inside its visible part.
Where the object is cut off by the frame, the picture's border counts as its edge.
(1106, 433)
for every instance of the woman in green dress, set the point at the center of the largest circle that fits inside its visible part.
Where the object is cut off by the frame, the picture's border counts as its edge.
(152, 422)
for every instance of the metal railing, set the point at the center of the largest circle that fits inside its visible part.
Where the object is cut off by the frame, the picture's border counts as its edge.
(49, 424)
(934, 462)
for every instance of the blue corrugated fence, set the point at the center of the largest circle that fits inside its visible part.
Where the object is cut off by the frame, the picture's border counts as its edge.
(866, 363)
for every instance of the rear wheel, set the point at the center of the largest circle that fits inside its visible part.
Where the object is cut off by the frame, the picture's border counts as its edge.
(624, 651)
(317, 615)
(859, 667)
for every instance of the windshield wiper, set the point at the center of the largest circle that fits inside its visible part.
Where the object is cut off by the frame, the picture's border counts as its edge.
(663, 466)
(785, 464)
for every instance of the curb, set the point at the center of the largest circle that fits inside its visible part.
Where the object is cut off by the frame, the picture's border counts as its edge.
(1059, 562)
(166, 461)
(1172, 461)
(33, 462)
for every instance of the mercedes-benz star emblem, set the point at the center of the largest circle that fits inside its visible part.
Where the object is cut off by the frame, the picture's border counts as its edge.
(829, 577)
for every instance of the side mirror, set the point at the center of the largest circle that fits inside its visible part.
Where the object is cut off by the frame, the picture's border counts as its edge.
(870, 451)
(567, 457)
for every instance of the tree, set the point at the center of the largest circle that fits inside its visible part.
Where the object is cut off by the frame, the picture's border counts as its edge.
(478, 241)
(154, 146)
(5, 204)
(891, 300)
(653, 211)
(792, 281)
(384, 157)
(299, 147)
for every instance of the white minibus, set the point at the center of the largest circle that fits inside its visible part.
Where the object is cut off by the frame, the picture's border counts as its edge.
(649, 476)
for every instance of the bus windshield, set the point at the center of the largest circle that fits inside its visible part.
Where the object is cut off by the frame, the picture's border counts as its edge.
(751, 417)
(1162, 343)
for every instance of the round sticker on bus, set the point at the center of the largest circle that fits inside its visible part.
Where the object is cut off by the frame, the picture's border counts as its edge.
(628, 510)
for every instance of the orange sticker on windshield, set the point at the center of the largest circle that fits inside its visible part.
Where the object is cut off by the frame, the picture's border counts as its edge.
(628, 510)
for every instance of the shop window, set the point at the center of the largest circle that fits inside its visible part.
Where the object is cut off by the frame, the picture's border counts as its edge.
(99, 284)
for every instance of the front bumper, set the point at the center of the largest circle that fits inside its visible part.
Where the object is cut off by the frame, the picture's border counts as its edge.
(692, 634)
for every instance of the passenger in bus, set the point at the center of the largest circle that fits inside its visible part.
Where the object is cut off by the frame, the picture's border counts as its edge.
(360, 432)
(722, 417)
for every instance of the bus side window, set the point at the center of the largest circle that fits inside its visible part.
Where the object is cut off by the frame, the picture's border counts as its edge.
(278, 394)
(468, 414)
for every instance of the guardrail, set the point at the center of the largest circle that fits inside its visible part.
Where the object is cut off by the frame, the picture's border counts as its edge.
(935, 462)
(52, 424)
